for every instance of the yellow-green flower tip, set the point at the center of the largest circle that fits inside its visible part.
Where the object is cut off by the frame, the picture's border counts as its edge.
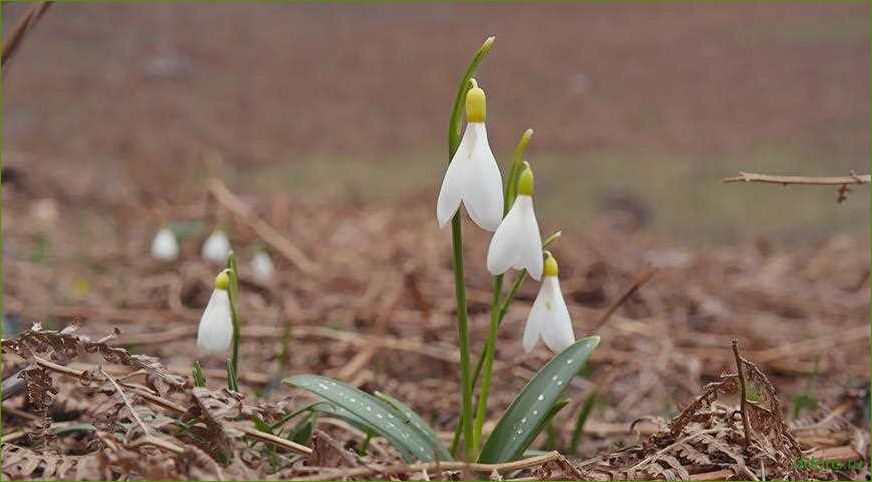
(525, 182)
(550, 268)
(475, 105)
(222, 281)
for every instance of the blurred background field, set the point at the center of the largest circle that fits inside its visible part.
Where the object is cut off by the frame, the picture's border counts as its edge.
(633, 105)
(328, 122)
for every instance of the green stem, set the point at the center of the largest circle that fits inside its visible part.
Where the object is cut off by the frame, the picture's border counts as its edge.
(510, 192)
(233, 294)
(489, 350)
(463, 336)
(365, 445)
(457, 247)
(504, 307)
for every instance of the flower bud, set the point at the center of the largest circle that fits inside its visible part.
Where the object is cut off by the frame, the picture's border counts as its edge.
(550, 265)
(476, 104)
(525, 181)
(222, 281)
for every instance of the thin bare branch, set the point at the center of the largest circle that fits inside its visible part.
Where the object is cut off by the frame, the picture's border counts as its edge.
(27, 23)
(640, 281)
(126, 402)
(266, 232)
(807, 180)
(436, 467)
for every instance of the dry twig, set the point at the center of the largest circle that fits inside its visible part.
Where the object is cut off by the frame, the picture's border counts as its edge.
(640, 281)
(178, 409)
(266, 232)
(740, 370)
(841, 181)
(806, 180)
(436, 467)
(27, 23)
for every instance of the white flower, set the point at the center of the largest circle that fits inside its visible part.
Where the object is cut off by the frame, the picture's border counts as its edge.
(216, 326)
(262, 266)
(217, 247)
(473, 176)
(549, 318)
(164, 246)
(517, 243)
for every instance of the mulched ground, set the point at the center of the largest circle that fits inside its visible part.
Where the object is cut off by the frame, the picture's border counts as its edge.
(369, 300)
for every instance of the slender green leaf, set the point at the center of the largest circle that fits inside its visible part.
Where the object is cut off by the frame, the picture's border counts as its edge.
(374, 414)
(410, 417)
(232, 382)
(311, 407)
(302, 431)
(74, 427)
(197, 373)
(260, 425)
(533, 407)
(586, 408)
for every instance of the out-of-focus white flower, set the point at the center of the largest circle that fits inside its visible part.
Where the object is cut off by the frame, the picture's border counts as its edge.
(517, 243)
(549, 318)
(216, 326)
(262, 266)
(217, 247)
(164, 246)
(473, 176)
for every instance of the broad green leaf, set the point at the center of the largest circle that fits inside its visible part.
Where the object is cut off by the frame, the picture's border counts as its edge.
(379, 417)
(328, 409)
(417, 422)
(551, 438)
(532, 408)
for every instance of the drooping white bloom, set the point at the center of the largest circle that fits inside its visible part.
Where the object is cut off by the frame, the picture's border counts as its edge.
(549, 318)
(517, 243)
(164, 246)
(216, 326)
(217, 247)
(473, 176)
(262, 266)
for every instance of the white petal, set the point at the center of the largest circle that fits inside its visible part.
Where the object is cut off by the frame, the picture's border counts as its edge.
(502, 253)
(164, 246)
(262, 266)
(534, 320)
(216, 326)
(217, 247)
(454, 181)
(529, 240)
(557, 326)
(483, 192)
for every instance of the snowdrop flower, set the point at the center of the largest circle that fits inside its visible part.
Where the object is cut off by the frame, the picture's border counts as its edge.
(517, 243)
(549, 317)
(473, 176)
(164, 246)
(216, 325)
(217, 247)
(262, 266)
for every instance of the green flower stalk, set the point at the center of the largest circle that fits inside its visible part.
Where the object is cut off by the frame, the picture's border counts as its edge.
(233, 274)
(516, 244)
(454, 123)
